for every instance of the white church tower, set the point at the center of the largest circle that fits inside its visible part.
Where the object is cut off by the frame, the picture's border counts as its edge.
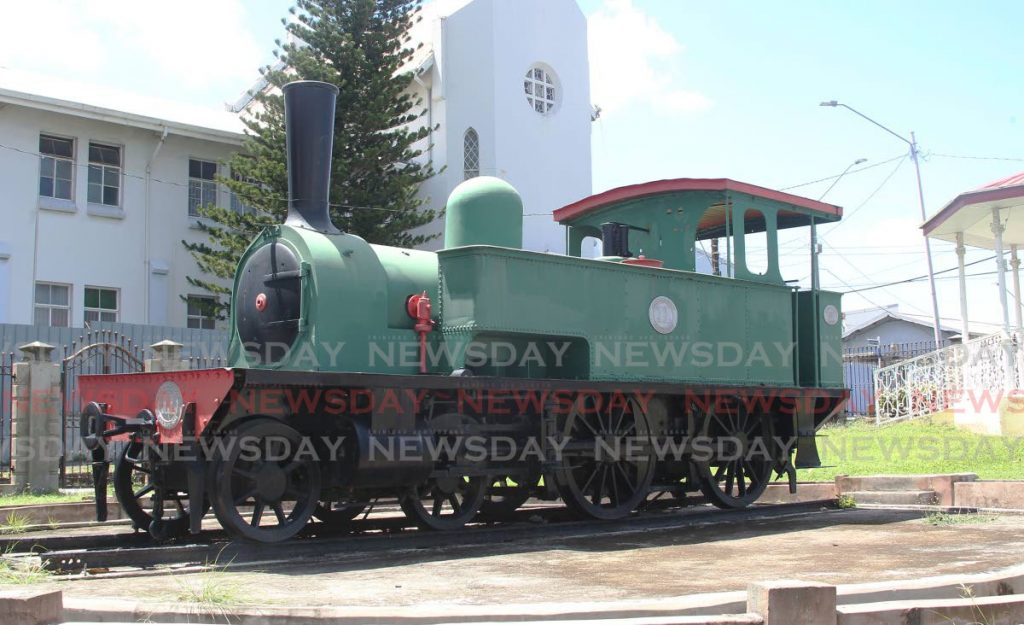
(507, 82)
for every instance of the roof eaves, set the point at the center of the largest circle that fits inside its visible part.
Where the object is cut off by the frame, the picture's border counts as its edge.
(98, 113)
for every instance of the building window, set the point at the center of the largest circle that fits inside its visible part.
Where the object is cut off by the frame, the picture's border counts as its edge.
(201, 313)
(53, 305)
(202, 185)
(471, 154)
(541, 90)
(104, 174)
(100, 304)
(237, 204)
(56, 164)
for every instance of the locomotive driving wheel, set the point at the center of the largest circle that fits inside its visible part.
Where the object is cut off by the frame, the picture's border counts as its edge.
(138, 489)
(266, 488)
(607, 466)
(447, 502)
(738, 468)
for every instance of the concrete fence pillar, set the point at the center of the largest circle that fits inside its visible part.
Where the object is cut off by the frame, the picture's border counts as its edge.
(789, 602)
(166, 357)
(36, 423)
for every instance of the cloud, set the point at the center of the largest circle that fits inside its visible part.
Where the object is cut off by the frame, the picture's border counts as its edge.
(195, 43)
(632, 60)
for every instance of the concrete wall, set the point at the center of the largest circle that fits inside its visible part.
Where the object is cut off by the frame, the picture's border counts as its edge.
(135, 247)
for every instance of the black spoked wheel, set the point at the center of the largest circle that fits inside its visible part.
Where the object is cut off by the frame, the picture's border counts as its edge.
(137, 490)
(450, 501)
(503, 498)
(739, 469)
(266, 488)
(607, 466)
(445, 503)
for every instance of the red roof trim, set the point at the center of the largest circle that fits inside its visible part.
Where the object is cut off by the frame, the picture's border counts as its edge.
(967, 199)
(658, 187)
(1015, 180)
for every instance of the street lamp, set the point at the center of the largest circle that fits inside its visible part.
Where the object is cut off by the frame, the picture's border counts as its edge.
(840, 176)
(815, 246)
(912, 142)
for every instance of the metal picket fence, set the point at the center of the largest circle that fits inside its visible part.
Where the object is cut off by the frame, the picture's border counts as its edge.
(861, 363)
(6, 414)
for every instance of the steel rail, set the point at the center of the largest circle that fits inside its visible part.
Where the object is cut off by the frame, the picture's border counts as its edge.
(235, 554)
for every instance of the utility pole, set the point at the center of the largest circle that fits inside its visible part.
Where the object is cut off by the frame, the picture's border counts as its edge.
(912, 142)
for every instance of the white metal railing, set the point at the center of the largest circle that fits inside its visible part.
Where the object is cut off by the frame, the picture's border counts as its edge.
(992, 365)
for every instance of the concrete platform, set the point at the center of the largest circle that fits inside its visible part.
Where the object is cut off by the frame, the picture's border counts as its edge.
(540, 578)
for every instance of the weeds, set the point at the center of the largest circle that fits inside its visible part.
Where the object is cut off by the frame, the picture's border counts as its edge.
(846, 502)
(15, 522)
(945, 519)
(212, 591)
(22, 570)
(52, 522)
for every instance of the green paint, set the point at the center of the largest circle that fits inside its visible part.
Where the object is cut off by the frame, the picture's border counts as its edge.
(484, 211)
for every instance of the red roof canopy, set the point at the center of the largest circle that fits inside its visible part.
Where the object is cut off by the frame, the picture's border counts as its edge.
(631, 192)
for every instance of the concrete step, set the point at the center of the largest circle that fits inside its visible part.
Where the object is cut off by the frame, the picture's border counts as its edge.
(894, 497)
(847, 483)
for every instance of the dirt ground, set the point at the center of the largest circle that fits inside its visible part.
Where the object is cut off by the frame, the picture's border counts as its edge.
(837, 546)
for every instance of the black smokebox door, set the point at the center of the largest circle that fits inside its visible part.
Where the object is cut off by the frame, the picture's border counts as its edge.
(269, 303)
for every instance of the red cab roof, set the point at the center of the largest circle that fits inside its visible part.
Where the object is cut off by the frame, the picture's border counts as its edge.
(631, 192)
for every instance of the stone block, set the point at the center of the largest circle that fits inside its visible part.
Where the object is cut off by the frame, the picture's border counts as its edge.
(30, 607)
(941, 484)
(1007, 494)
(788, 602)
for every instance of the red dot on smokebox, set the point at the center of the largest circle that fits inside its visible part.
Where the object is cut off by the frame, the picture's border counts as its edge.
(261, 302)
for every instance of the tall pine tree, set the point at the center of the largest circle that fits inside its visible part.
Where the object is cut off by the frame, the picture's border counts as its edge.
(362, 47)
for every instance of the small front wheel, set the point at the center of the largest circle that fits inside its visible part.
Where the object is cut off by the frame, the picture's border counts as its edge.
(265, 489)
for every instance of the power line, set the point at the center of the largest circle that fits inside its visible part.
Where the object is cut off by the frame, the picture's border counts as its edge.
(283, 201)
(916, 278)
(871, 196)
(980, 158)
(902, 159)
(966, 275)
(852, 171)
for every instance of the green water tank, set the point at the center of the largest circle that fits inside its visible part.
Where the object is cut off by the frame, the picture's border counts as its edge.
(484, 211)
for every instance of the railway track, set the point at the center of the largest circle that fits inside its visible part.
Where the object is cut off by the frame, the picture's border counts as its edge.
(120, 554)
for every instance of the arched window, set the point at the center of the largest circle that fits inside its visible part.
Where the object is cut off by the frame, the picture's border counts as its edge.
(471, 154)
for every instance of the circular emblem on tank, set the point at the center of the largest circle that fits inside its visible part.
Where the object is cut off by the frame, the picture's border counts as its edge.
(261, 302)
(663, 314)
(168, 405)
(831, 314)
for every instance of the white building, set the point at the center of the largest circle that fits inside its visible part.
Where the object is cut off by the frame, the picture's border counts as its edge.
(96, 191)
(508, 82)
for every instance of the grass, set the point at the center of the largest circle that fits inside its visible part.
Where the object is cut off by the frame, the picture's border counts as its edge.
(915, 447)
(944, 519)
(30, 499)
(14, 523)
(21, 571)
(846, 502)
(213, 592)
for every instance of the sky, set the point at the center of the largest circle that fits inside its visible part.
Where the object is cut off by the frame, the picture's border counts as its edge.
(687, 89)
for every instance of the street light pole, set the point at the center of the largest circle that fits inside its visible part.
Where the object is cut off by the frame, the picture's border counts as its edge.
(912, 142)
(815, 246)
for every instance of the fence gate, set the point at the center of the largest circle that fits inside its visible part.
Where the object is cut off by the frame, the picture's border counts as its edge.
(100, 351)
(6, 414)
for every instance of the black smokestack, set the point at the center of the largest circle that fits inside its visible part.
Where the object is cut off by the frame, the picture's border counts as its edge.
(309, 129)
